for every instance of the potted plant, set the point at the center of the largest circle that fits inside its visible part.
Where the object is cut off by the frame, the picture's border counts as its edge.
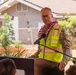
(7, 39)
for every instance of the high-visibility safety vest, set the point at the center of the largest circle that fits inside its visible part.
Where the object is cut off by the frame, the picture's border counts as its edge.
(52, 42)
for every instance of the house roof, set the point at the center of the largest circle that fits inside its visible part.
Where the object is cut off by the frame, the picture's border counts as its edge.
(10, 3)
(57, 6)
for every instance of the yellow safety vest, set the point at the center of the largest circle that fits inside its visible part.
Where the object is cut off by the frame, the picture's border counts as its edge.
(52, 42)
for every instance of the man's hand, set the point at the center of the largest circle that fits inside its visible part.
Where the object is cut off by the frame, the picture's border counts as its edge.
(62, 66)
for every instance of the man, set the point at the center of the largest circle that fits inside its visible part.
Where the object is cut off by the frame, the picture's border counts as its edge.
(56, 38)
(7, 67)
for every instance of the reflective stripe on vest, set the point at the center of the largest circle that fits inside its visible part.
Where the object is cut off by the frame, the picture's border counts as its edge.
(54, 43)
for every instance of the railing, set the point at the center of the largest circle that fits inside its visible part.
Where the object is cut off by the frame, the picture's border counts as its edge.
(27, 35)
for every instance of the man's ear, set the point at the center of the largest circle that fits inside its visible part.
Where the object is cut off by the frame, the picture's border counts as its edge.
(51, 15)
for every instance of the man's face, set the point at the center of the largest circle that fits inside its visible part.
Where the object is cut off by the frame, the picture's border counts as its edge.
(46, 16)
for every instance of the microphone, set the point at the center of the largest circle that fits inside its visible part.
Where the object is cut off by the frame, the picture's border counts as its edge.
(74, 60)
(42, 36)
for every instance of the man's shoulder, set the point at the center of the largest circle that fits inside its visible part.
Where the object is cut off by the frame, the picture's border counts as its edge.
(63, 29)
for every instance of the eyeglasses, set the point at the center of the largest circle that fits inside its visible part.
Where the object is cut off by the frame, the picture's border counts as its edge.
(45, 15)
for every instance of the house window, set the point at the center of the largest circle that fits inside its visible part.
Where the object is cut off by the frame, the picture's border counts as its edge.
(21, 7)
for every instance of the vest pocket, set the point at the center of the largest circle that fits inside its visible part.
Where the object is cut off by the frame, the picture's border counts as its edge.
(58, 57)
(55, 57)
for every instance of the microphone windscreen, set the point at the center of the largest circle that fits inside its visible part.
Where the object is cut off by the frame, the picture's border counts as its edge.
(74, 60)
(43, 35)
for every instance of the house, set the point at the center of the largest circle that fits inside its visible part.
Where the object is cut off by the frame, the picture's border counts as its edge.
(26, 19)
(26, 15)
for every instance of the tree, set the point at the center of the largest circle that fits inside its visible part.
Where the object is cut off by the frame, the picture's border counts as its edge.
(6, 33)
(70, 24)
